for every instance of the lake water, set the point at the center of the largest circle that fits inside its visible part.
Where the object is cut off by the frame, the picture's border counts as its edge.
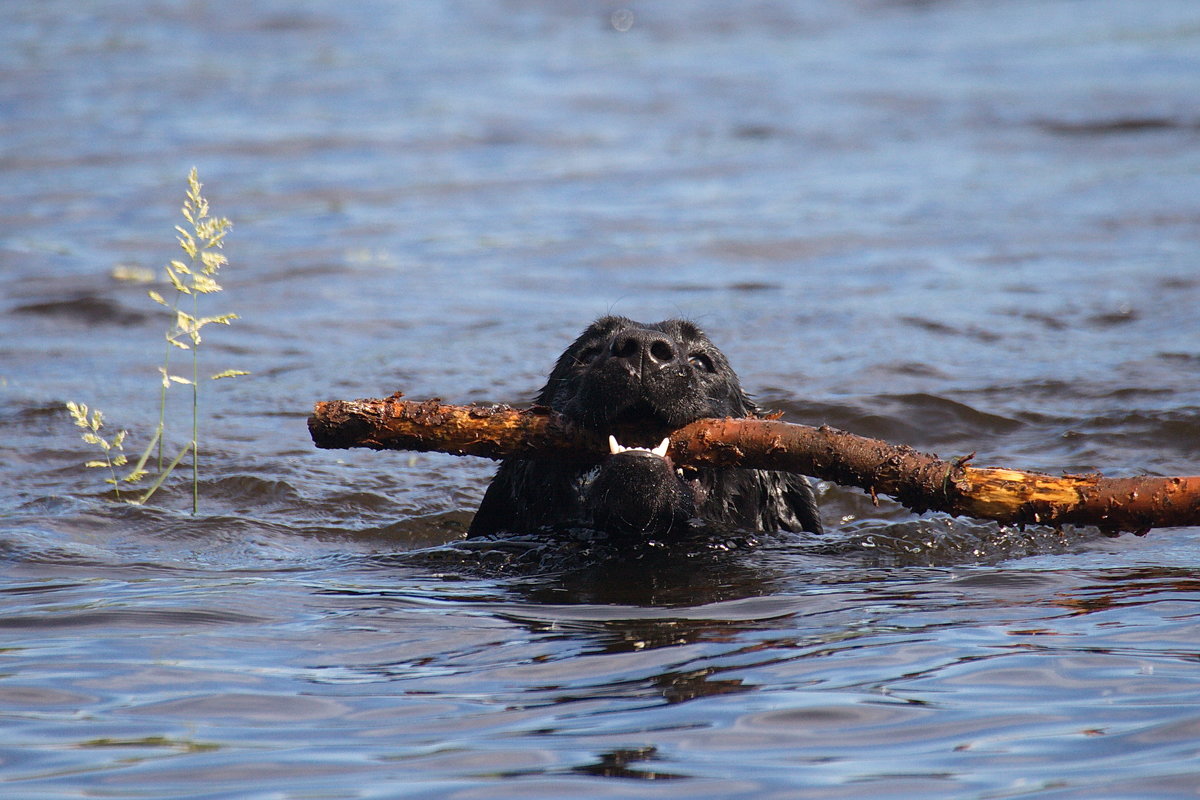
(967, 226)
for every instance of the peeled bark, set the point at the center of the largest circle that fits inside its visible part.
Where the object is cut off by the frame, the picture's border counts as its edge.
(920, 481)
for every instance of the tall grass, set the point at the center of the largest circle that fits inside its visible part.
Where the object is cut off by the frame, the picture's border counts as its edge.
(201, 240)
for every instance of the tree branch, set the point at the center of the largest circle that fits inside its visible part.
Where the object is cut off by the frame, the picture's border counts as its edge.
(920, 481)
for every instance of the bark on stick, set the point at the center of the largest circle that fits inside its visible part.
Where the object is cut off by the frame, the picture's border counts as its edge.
(920, 481)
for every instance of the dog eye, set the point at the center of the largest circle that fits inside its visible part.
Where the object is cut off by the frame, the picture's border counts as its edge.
(587, 356)
(701, 362)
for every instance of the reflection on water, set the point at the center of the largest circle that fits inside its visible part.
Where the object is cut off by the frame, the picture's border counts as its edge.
(966, 227)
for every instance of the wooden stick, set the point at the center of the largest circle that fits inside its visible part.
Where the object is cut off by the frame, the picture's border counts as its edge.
(920, 481)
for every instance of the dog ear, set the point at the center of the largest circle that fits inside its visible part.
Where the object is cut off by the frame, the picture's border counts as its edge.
(527, 495)
(497, 512)
(792, 501)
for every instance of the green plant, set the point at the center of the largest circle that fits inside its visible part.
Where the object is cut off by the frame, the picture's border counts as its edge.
(113, 449)
(201, 242)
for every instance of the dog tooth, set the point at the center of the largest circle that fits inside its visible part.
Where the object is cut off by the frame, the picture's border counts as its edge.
(615, 447)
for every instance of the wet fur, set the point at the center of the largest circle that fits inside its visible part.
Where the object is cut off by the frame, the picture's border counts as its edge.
(619, 370)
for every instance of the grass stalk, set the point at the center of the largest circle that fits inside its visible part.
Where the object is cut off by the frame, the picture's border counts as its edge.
(201, 241)
(195, 415)
(162, 476)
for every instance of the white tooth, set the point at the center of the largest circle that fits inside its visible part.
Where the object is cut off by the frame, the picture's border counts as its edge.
(614, 446)
(661, 450)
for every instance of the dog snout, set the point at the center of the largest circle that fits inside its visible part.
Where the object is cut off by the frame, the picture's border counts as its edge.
(643, 349)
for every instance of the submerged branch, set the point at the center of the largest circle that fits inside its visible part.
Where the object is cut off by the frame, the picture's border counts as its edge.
(920, 481)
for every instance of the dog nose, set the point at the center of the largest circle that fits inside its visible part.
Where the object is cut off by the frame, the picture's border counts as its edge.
(642, 348)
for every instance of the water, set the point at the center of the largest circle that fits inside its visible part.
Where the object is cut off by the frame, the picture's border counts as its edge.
(963, 226)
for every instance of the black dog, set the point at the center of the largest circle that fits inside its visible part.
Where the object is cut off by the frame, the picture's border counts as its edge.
(624, 371)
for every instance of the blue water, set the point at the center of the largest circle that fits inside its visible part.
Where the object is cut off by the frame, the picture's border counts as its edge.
(965, 226)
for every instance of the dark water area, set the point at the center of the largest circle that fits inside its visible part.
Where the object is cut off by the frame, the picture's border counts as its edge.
(966, 226)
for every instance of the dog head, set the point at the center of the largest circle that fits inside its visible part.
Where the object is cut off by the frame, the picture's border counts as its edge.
(665, 374)
(621, 371)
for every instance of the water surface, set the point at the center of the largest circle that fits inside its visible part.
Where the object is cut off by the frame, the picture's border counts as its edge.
(965, 226)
